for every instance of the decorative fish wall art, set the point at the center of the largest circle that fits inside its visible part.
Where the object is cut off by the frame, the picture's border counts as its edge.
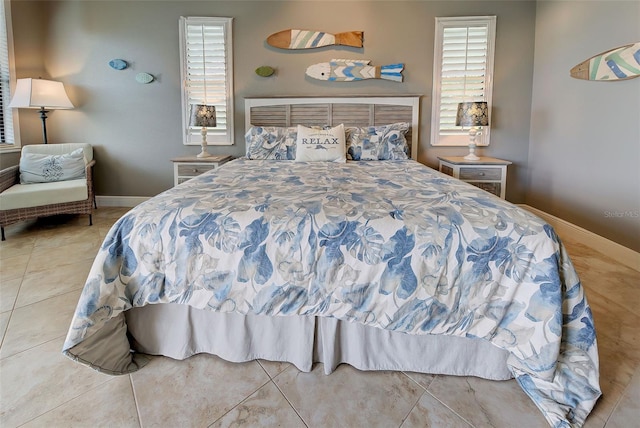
(144, 78)
(348, 70)
(118, 64)
(616, 64)
(306, 39)
(265, 71)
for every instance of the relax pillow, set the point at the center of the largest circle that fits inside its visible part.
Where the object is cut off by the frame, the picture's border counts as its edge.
(271, 142)
(40, 168)
(315, 144)
(384, 142)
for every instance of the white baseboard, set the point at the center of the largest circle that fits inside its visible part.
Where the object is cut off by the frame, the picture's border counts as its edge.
(119, 201)
(620, 253)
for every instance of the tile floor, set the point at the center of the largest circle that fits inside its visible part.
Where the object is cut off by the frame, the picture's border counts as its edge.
(43, 267)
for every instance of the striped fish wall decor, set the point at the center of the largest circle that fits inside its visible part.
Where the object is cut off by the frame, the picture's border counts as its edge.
(306, 39)
(616, 64)
(348, 70)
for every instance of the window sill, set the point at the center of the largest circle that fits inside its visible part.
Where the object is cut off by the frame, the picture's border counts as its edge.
(9, 148)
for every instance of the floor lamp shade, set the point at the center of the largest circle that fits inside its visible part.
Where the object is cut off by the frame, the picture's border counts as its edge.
(204, 116)
(475, 115)
(40, 94)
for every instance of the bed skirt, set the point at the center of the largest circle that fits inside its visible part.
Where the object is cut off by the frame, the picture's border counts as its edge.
(180, 331)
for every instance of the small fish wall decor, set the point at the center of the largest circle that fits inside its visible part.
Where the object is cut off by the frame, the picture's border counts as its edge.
(306, 39)
(265, 71)
(348, 70)
(144, 78)
(118, 64)
(621, 63)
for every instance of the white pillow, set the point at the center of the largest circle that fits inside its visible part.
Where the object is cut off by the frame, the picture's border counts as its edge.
(314, 144)
(40, 168)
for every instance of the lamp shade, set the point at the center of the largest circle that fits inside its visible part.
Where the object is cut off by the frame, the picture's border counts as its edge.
(473, 114)
(40, 93)
(203, 115)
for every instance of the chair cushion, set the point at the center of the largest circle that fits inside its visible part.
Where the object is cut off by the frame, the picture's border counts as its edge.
(38, 194)
(41, 168)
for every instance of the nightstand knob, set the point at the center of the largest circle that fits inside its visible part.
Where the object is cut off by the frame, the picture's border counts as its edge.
(195, 170)
(481, 174)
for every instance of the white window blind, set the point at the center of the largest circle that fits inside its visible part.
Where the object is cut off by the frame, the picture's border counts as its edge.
(207, 76)
(462, 71)
(7, 135)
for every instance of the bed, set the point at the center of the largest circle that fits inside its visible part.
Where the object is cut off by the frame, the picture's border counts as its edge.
(380, 264)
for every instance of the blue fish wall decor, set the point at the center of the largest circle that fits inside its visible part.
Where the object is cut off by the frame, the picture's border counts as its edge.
(118, 64)
(348, 70)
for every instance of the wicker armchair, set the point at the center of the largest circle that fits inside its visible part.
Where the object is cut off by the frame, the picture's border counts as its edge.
(10, 177)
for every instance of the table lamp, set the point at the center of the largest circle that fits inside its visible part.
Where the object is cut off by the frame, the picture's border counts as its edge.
(476, 115)
(204, 116)
(42, 94)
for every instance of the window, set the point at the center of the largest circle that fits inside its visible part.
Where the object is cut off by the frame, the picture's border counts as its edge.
(207, 76)
(462, 71)
(9, 130)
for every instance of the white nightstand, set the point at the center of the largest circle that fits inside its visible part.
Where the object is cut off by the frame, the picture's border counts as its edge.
(489, 174)
(188, 167)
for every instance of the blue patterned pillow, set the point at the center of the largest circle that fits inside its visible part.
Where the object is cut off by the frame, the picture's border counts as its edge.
(40, 168)
(271, 142)
(384, 142)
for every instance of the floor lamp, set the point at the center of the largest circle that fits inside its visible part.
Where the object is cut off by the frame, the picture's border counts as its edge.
(41, 94)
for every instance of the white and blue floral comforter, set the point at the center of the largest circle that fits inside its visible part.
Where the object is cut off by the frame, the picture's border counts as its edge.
(390, 244)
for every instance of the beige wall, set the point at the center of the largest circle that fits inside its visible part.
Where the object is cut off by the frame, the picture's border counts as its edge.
(584, 155)
(29, 25)
(136, 128)
(579, 161)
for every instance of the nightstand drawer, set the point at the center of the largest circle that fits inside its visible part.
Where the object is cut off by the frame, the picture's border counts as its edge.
(487, 173)
(488, 187)
(480, 173)
(447, 170)
(187, 167)
(191, 170)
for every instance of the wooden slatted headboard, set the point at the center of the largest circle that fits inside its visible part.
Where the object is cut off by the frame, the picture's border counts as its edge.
(352, 111)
